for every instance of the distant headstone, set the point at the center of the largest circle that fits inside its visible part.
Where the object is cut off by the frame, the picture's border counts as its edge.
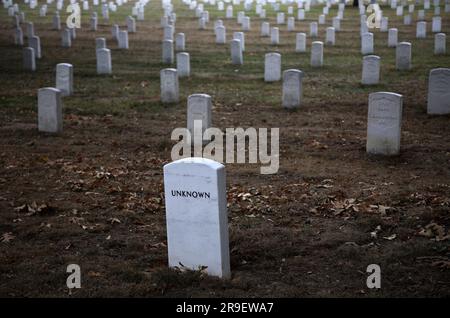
(35, 43)
(50, 118)
(183, 65)
(371, 70)
(180, 42)
(392, 37)
(421, 31)
(291, 24)
(56, 22)
(196, 215)
(313, 29)
(337, 24)
(330, 36)
(100, 43)
(274, 36)
(292, 88)
(131, 24)
(123, 40)
(66, 39)
(236, 52)
(439, 91)
(18, 36)
(221, 37)
(64, 78)
(384, 24)
(167, 52)
(272, 67)
(316, 54)
(169, 86)
(104, 65)
(367, 43)
(437, 24)
(384, 123)
(29, 59)
(115, 31)
(300, 42)
(93, 24)
(301, 14)
(265, 29)
(403, 56)
(280, 18)
(199, 108)
(30, 30)
(439, 43)
(240, 36)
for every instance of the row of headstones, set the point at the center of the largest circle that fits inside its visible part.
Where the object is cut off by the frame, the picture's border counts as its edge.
(195, 188)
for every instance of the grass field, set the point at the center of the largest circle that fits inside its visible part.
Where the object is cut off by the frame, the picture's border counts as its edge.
(305, 231)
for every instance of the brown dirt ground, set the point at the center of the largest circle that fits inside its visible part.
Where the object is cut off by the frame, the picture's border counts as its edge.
(303, 232)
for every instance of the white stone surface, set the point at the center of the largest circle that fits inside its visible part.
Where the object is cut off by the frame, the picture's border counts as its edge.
(384, 123)
(371, 70)
(196, 215)
(183, 64)
(292, 88)
(50, 110)
(104, 65)
(439, 91)
(272, 67)
(169, 86)
(64, 78)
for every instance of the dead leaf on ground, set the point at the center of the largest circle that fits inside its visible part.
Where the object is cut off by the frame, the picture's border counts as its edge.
(7, 237)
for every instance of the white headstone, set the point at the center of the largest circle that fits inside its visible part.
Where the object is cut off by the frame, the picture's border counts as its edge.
(316, 54)
(35, 43)
(100, 43)
(421, 31)
(196, 215)
(367, 43)
(180, 41)
(439, 91)
(183, 65)
(131, 24)
(384, 123)
(104, 65)
(167, 52)
(300, 42)
(292, 88)
(221, 36)
(274, 36)
(123, 39)
(66, 39)
(236, 52)
(272, 67)
(199, 108)
(50, 110)
(18, 36)
(439, 43)
(437, 23)
(64, 78)
(265, 29)
(291, 24)
(169, 86)
(392, 37)
(29, 59)
(403, 56)
(337, 24)
(330, 36)
(240, 36)
(313, 29)
(371, 70)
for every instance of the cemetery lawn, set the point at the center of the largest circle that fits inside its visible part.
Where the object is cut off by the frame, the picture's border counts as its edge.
(93, 195)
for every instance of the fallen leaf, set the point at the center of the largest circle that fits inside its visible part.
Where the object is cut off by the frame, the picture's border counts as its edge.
(7, 237)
